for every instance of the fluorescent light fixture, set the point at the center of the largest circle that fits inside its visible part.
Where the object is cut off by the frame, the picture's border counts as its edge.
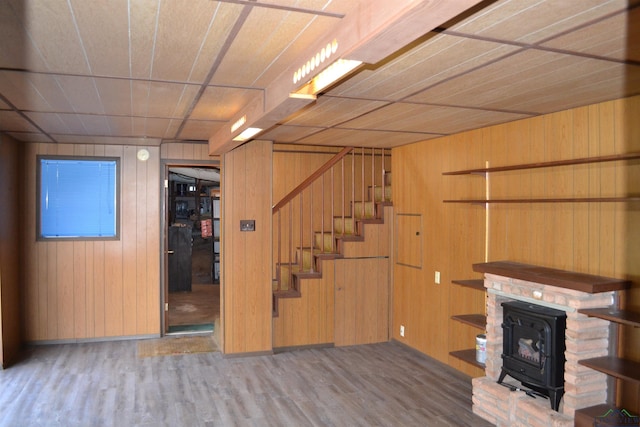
(239, 123)
(247, 134)
(328, 76)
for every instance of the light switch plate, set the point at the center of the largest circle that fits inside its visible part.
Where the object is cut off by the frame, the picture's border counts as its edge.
(247, 225)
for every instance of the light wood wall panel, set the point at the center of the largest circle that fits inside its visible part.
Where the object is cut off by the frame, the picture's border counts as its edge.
(246, 256)
(596, 238)
(76, 290)
(185, 151)
(308, 320)
(11, 231)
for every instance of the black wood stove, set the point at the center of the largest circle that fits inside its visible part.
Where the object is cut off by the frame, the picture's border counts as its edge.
(533, 348)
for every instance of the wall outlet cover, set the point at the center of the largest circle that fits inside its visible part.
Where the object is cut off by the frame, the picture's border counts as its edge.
(247, 225)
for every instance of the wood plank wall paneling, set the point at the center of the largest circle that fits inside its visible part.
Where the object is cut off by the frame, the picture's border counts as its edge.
(596, 238)
(11, 275)
(246, 256)
(96, 289)
(311, 320)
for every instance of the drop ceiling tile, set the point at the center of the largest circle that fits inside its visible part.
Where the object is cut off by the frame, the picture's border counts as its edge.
(30, 137)
(14, 50)
(81, 93)
(535, 82)
(222, 103)
(115, 96)
(154, 127)
(103, 26)
(213, 47)
(155, 99)
(200, 130)
(440, 57)
(50, 39)
(613, 37)
(56, 122)
(188, 39)
(284, 133)
(328, 111)
(529, 21)
(369, 139)
(11, 121)
(269, 41)
(34, 91)
(121, 125)
(428, 119)
(143, 14)
(105, 140)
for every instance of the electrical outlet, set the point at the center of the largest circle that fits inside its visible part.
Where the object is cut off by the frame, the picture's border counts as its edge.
(401, 330)
(437, 278)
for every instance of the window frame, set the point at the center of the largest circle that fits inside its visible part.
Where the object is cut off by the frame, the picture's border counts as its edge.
(117, 176)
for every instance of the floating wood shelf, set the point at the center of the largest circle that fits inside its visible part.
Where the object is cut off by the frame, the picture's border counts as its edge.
(476, 320)
(471, 283)
(579, 161)
(549, 200)
(619, 316)
(550, 276)
(623, 369)
(468, 356)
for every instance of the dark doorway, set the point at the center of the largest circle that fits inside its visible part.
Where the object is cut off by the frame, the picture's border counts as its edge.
(193, 232)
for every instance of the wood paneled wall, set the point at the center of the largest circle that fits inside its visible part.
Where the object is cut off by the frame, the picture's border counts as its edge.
(246, 256)
(597, 238)
(95, 289)
(185, 151)
(11, 239)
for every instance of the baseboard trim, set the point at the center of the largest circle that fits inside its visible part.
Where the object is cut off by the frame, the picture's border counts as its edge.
(89, 340)
(302, 347)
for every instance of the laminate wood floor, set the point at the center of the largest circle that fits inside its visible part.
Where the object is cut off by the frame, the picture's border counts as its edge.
(107, 384)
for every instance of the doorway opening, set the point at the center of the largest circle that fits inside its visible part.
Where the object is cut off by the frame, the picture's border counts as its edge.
(192, 282)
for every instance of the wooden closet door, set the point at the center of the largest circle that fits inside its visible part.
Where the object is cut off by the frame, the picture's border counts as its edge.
(361, 301)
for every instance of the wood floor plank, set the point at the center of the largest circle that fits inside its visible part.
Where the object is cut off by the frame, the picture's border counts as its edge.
(106, 383)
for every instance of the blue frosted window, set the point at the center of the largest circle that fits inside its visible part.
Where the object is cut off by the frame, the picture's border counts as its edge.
(78, 198)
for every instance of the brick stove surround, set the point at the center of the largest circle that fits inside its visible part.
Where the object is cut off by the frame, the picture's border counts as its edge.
(585, 337)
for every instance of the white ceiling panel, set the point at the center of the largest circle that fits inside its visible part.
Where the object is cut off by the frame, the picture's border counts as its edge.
(221, 103)
(614, 37)
(51, 39)
(122, 71)
(533, 82)
(11, 121)
(328, 111)
(531, 21)
(104, 31)
(367, 138)
(199, 129)
(286, 133)
(428, 119)
(439, 58)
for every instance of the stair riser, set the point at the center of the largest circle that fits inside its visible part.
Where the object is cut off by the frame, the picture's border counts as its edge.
(369, 210)
(327, 246)
(344, 226)
(378, 194)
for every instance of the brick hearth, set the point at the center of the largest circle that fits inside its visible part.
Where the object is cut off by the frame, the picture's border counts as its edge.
(585, 338)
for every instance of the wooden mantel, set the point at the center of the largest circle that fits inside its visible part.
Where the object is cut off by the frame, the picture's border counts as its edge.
(550, 276)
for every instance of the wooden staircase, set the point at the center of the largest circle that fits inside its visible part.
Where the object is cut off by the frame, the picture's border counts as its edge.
(316, 225)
